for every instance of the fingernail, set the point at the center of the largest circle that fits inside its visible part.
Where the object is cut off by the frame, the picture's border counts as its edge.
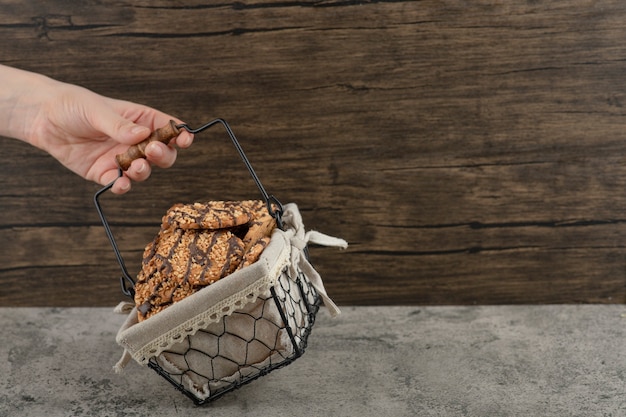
(185, 141)
(137, 129)
(154, 150)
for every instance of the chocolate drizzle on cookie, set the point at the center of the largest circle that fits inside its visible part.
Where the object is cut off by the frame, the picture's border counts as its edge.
(197, 245)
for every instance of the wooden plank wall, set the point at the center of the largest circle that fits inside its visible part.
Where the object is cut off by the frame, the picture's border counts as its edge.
(470, 152)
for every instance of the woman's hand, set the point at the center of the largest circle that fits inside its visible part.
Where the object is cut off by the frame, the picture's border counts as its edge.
(84, 130)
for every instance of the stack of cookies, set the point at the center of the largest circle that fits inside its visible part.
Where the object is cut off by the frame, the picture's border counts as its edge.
(197, 245)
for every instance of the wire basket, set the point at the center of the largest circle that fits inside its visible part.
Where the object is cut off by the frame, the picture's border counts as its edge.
(241, 327)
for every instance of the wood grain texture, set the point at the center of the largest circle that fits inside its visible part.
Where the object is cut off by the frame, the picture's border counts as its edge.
(470, 152)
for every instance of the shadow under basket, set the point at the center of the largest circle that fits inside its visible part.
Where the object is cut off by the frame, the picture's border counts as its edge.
(240, 327)
(252, 341)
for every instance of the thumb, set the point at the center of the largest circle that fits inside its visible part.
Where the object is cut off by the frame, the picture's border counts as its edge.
(106, 120)
(130, 133)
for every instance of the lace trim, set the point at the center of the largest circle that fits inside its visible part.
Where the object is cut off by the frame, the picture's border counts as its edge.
(213, 315)
(289, 260)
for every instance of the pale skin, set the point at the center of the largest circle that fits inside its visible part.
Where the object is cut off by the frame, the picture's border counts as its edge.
(82, 129)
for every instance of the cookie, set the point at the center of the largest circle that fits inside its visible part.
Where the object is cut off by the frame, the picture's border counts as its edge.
(257, 238)
(180, 262)
(212, 215)
(253, 253)
(197, 245)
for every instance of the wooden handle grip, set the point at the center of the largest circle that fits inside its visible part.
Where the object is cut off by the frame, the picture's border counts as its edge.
(163, 134)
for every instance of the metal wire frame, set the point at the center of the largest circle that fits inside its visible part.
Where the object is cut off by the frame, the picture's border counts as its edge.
(309, 300)
(274, 207)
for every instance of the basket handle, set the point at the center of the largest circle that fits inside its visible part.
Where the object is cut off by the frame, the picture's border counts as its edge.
(165, 134)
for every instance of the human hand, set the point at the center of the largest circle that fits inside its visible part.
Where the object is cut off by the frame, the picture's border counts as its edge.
(84, 131)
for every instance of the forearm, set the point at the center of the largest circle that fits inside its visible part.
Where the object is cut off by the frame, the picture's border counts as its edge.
(22, 95)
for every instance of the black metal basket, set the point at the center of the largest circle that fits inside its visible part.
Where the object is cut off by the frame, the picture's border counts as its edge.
(266, 333)
(297, 304)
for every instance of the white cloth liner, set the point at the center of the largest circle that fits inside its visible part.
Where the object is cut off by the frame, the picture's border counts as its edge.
(283, 258)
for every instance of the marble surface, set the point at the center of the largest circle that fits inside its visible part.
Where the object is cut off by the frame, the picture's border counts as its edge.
(564, 360)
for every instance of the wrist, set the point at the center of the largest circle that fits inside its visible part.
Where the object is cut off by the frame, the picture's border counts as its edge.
(22, 96)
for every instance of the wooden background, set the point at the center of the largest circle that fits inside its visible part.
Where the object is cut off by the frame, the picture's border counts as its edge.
(470, 152)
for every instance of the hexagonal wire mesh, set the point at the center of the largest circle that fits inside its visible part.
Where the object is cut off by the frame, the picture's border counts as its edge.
(267, 334)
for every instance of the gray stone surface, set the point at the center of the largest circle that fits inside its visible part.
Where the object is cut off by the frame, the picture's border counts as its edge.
(371, 361)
